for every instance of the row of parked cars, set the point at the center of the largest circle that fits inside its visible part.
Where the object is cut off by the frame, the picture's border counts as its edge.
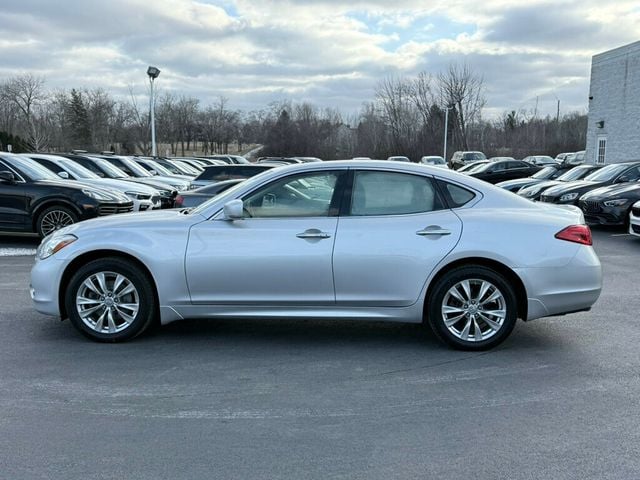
(606, 194)
(42, 193)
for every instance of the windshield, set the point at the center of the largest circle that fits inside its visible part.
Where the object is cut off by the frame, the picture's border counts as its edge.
(185, 167)
(574, 174)
(153, 165)
(476, 167)
(607, 173)
(129, 165)
(473, 156)
(111, 170)
(30, 169)
(546, 172)
(78, 171)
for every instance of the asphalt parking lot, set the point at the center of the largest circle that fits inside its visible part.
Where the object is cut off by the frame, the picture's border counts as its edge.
(294, 400)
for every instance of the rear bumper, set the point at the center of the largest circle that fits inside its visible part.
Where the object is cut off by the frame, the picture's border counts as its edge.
(557, 291)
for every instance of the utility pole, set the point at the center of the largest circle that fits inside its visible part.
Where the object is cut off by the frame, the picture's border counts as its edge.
(446, 128)
(558, 112)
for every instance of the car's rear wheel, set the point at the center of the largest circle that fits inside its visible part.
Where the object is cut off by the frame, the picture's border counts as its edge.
(54, 218)
(110, 300)
(472, 308)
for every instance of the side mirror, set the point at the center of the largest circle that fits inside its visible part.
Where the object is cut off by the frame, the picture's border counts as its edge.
(7, 176)
(64, 175)
(233, 210)
(153, 172)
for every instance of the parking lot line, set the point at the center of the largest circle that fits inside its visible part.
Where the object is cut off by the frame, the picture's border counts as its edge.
(17, 252)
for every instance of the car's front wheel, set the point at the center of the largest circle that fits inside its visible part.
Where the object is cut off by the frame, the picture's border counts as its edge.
(54, 218)
(110, 300)
(472, 308)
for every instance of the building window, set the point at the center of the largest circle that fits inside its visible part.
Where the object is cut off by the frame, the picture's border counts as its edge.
(602, 149)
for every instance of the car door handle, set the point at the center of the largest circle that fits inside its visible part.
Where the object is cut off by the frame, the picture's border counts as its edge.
(433, 230)
(313, 233)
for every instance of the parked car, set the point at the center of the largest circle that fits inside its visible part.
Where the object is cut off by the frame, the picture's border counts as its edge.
(450, 257)
(308, 159)
(279, 160)
(539, 160)
(33, 199)
(459, 159)
(143, 197)
(550, 172)
(193, 198)
(434, 161)
(218, 173)
(228, 159)
(562, 156)
(570, 192)
(155, 169)
(576, 158)
(533, 192)
(499, 171)
(104, 169)
(398, 158)
(634, 219)
(610, 205)
(131, 168)
(179, 167)
(472, 166)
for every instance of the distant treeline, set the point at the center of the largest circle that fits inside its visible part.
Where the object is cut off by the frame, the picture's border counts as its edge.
(406, 117)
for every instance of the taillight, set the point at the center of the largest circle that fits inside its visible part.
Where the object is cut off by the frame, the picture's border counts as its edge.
(179, 200)
(576, 233)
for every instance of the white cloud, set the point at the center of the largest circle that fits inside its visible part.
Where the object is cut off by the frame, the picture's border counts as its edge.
(329, 52)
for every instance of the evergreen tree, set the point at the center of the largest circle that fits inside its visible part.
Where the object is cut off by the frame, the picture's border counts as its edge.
(80, 130)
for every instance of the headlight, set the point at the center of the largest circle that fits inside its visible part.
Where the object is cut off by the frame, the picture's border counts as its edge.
(616, 203)
(97, 195)
(567, 197)
(181, 186)
(54, 243)
(137, 195)
(529, 193)
(193, 187)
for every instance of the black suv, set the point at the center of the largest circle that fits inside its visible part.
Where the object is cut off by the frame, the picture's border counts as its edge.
(33, 199)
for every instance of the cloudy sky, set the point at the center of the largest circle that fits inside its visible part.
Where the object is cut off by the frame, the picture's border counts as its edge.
(329, 52)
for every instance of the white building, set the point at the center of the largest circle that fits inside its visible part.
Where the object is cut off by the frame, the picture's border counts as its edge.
(613, 131)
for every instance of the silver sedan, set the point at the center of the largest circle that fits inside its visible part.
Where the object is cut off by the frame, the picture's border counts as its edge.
(346, 239)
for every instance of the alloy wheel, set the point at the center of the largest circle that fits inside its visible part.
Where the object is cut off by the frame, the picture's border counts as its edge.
(107, 302)
(55, 220)
(474, 310)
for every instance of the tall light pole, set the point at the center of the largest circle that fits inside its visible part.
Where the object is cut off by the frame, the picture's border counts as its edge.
(446, 128)
(153, 73)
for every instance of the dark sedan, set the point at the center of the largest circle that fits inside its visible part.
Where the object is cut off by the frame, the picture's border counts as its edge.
(33, 199)
(217, 173)
(533, 192)
(610, 205)
(193, 198)
(502, 170)
(568, 194)
(547, 173)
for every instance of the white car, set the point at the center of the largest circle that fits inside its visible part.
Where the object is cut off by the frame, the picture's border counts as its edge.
(342, 239)
(398, 158)
(634, 219)
(434, 161)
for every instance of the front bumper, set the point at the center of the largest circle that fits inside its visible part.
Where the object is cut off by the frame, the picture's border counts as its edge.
(556, 291)
(556, 200)
(45, 285)
(634, 221)
(596, 213)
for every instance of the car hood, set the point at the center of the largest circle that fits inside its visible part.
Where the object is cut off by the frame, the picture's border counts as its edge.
(71, 184)
(157, 184)
(518, 182)
(630, 189)
(543, 185)
(133, 221)
(568, 187)
(119, 185)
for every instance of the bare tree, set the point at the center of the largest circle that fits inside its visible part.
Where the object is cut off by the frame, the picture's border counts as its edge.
(463, 90)
(26, 93)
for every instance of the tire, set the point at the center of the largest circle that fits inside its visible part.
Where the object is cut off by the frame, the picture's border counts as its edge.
(491, 308)
(54, 218)
(118, 301)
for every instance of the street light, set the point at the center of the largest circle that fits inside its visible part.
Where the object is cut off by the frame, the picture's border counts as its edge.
(153, 73)
(446, 127)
